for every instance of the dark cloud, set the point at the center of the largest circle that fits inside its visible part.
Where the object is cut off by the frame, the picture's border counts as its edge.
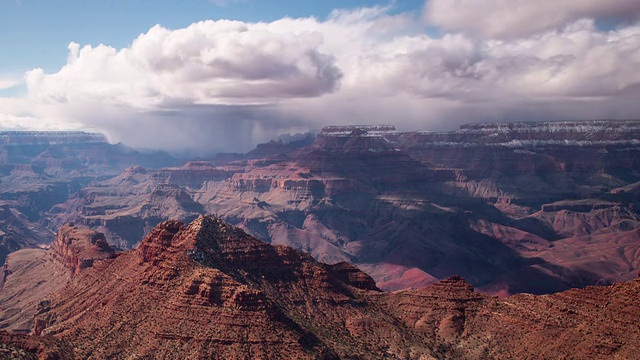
(227, 85)
(195, 130)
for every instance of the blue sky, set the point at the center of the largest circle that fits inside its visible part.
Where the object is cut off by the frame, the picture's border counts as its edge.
(181, 76)
(35, 33)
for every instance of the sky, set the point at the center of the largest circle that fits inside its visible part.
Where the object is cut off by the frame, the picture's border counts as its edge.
(201, 76)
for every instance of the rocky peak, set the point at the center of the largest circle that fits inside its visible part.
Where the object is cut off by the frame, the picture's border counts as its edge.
(210, 290)
(79, 248)
(213, 243)
(159, 240)
(214, 236)
(205, 235)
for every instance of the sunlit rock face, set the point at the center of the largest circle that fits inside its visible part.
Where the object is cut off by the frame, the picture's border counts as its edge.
(208, 289)
(512, 207)
(502, 204)
(39, 170)
(32, 274)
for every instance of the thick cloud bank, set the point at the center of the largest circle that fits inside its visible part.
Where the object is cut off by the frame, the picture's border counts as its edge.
(223, 62)
(520, 18)
(225, 85)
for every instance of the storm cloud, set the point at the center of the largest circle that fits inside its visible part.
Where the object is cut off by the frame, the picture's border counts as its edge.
(226, 85)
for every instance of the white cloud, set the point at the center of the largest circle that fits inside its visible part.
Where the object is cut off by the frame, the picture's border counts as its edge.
(8, 82)
(25, 114)
(226, 85)
(210, 62)
(575, 63)
(510, 19)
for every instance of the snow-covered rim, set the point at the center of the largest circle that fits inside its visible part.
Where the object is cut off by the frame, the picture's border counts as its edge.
(50, 137)
(486, 131)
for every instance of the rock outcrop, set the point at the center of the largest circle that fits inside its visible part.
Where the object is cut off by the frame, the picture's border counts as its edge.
(29, 347)
(495, 203)
(209, 290)
(79, 248)
(31, 274)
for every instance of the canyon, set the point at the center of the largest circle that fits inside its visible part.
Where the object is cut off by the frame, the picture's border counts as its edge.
(513, 207)
(518, 207)
(210, 290)
(502, 241)
(39, 170)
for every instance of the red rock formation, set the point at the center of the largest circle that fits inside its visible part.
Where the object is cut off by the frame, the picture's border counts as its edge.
(22, 346)
(210, 290)
(31, 274)
(79, 248)
(519, 207)
(206, 290)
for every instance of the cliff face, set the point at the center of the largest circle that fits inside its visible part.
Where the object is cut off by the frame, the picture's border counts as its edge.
(31, 274)
(210, 290)
(39, 170)
(412, 207)
(495, 203)
(77, 249)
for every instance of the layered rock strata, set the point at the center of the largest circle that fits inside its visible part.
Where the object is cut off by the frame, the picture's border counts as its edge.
(209, 290)
(31, 274)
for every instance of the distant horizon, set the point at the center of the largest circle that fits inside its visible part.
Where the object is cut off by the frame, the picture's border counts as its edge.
(318, 130)
(293, 137)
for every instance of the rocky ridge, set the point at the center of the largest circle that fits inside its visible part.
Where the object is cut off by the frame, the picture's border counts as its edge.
(31, 274)
(207, 290)
(210, 290)
(495, 203)
(39, 170)
(78, 248)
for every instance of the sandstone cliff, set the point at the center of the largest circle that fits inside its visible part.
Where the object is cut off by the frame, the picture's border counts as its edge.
(210, 290)
(30, 274)
(516, 207)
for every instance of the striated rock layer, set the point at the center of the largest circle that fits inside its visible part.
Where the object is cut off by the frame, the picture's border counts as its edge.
(39, 170)
(78, 248)
(209, 290)
(535, 207)
(31, 274)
